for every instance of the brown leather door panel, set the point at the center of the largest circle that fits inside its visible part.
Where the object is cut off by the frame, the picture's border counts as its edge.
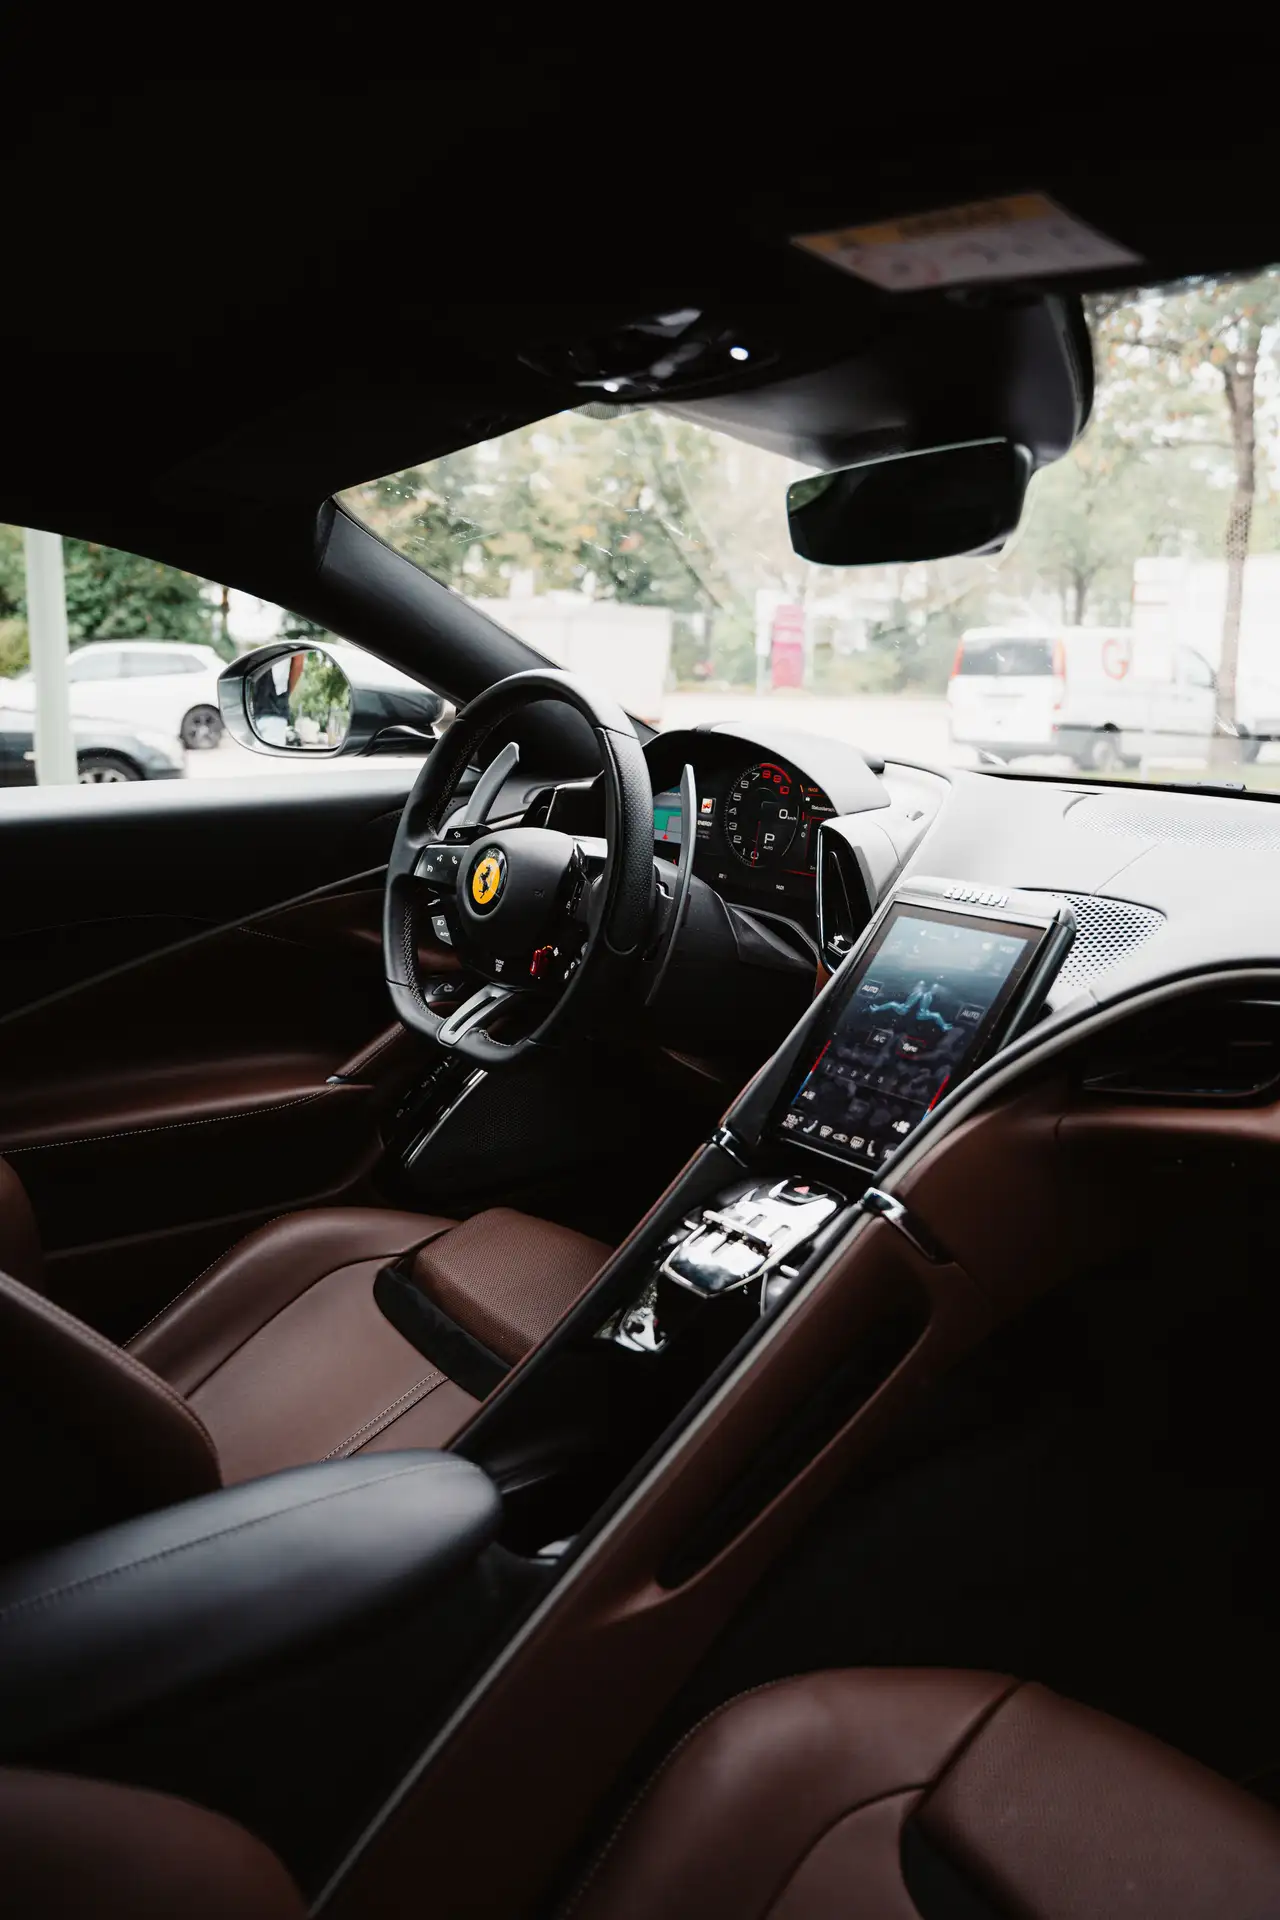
(92, 885)
(157, 1112)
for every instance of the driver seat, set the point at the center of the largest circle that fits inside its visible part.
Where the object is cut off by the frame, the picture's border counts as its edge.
(288, 1349)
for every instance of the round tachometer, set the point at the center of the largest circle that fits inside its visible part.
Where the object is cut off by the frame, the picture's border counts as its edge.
(762, 814)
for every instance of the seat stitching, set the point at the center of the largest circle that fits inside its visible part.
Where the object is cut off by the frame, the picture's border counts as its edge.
(429, 1380)
(735, 1700)
(342, 1263)
(135, 1368)
(224, 1255)
(34, 1601)
(171, 1126)
(979, 1726)
(860, 1806)
(642, 1794)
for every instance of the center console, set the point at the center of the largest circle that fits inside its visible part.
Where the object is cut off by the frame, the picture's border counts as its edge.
(944, 976)
(752, 1243)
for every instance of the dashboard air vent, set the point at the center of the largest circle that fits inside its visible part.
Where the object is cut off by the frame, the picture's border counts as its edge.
(1224, 1054)
(844, 904)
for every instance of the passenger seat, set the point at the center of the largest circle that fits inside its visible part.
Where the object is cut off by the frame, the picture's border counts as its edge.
(908, 1795)
(920, 1795)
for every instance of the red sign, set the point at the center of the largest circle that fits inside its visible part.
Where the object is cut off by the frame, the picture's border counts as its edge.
(786, 651)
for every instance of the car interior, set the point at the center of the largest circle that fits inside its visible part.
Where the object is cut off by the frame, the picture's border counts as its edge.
(612, 1320)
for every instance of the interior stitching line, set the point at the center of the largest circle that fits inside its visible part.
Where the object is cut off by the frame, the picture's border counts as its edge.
(33, 1602)
(421, 1388)
(651, 1782)
(136, 1369)
(218, 1258)
(173, 1126)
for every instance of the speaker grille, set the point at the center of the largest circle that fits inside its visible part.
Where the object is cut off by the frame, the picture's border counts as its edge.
(1107, 931)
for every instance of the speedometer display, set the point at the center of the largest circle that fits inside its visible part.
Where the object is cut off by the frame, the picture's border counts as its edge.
(762, 814)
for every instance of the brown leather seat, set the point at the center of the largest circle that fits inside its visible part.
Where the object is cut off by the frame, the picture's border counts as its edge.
(841, 1796)
(71, 1848)
(277, 1355)
(948, 1796)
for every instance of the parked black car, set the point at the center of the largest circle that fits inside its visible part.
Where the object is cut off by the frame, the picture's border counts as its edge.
(105, 752)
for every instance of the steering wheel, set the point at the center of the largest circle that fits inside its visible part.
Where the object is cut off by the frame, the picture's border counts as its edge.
(538, 915)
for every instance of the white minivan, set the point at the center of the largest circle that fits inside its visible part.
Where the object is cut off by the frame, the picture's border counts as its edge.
(1104, 696)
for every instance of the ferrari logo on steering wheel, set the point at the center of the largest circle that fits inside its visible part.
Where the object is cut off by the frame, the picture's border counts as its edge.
(487, 877)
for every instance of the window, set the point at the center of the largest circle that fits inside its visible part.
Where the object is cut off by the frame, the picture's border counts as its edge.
(651, 555)
(1007, 659)
(1196, 670)
(88, 665)
(145, 663)
(147, 643)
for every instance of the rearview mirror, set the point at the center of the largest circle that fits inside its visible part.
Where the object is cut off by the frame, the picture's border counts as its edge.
(325, 700)
(911, 506)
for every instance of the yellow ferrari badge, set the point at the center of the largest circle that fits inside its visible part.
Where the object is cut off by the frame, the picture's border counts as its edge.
(486, 881)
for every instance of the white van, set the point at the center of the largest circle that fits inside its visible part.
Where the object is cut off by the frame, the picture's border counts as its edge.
(1104, 696)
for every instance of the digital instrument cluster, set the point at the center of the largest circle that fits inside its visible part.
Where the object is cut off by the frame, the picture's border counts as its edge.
(757, 828)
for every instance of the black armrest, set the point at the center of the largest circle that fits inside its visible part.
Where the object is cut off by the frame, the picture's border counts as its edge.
(198, 1595)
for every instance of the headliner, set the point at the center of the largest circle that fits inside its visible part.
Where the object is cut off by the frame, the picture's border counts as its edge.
(209, 330)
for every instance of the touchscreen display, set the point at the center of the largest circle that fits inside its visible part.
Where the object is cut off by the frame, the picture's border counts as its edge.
(923, 1002)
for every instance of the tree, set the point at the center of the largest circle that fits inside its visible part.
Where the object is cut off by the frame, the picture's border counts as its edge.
(1138, 482)
(1223, 335)
(638, 506)
(110, 596)
(603, 508)
(121, 596)
(296, 626)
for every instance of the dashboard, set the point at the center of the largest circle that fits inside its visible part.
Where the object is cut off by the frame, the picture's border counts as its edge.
(1160, 881)
(759, 805)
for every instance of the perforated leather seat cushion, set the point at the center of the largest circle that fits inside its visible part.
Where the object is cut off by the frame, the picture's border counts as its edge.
(508, 1277)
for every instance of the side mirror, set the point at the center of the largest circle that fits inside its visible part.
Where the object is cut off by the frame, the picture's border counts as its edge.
(911, 506)
(286, 699)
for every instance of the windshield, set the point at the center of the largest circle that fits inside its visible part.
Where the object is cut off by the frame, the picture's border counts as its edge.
(1130, 628)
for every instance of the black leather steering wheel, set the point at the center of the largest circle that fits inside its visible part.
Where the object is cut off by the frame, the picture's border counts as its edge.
(534, 913)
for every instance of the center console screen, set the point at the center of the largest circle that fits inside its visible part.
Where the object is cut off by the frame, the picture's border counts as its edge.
(919, 1010)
